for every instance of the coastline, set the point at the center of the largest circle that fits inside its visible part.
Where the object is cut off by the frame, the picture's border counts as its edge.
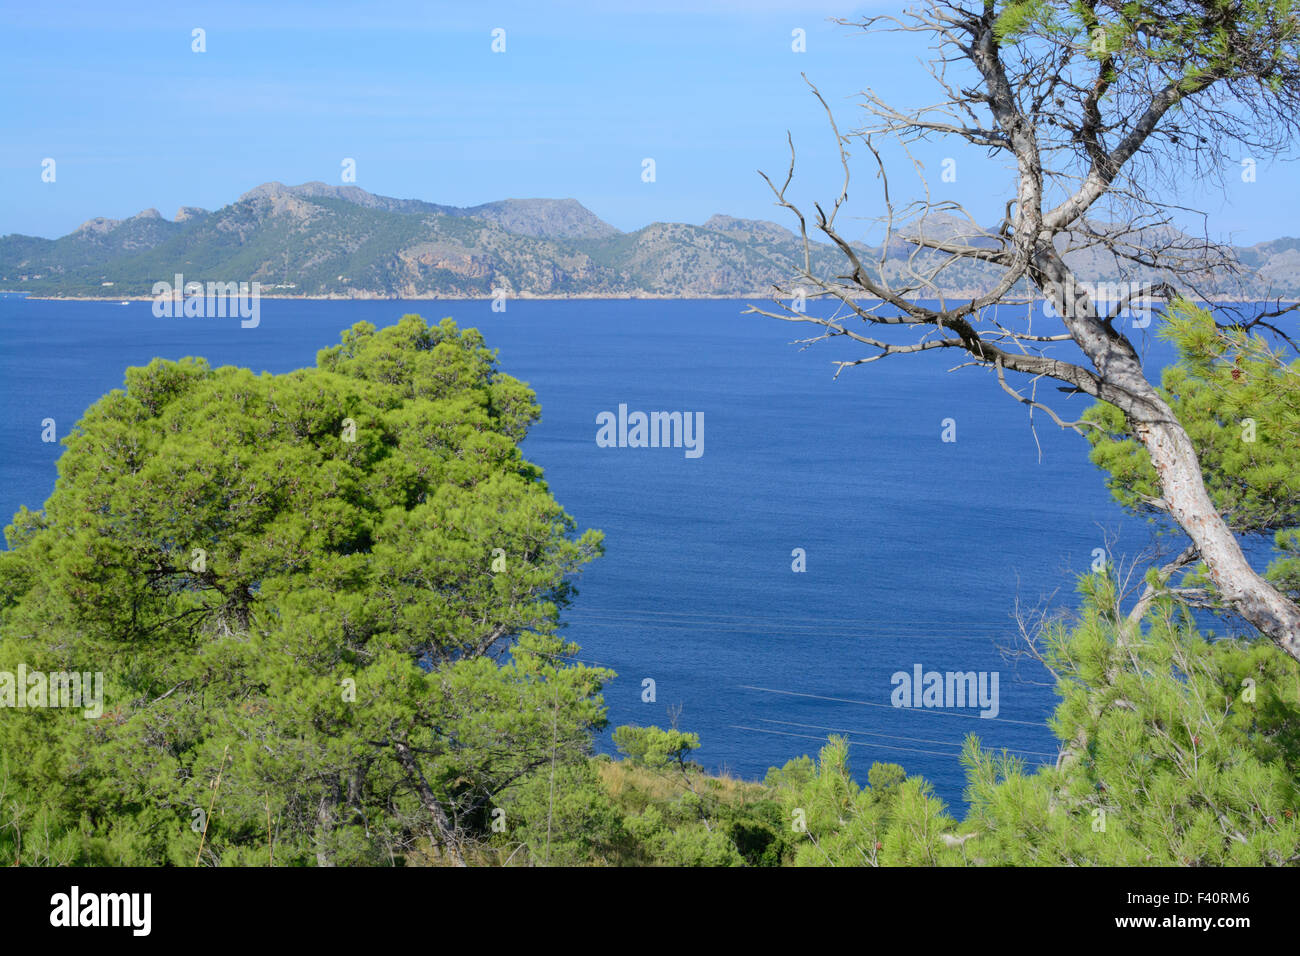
(403, 298)
(610, 296)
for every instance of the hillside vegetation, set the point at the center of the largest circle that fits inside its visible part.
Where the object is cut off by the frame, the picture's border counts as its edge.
(321, 240)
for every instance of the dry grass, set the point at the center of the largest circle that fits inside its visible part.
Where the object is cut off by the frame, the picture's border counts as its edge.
(625, 781)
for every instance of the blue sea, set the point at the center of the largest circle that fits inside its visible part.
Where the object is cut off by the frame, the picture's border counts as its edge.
(918, 551)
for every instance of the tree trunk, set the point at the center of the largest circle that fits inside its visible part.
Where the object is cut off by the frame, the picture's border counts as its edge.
(325, 817)
(1181, 480)
(446, 836)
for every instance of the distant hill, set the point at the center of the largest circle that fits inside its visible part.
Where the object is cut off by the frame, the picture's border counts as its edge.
(322, 240)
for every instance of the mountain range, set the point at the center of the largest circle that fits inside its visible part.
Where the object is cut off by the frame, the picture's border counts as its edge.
(342, 241)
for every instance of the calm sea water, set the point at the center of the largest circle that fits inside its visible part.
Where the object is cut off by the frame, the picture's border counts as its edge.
(917, 550)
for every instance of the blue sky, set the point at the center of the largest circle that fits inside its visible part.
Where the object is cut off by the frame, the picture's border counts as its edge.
(413, 92)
